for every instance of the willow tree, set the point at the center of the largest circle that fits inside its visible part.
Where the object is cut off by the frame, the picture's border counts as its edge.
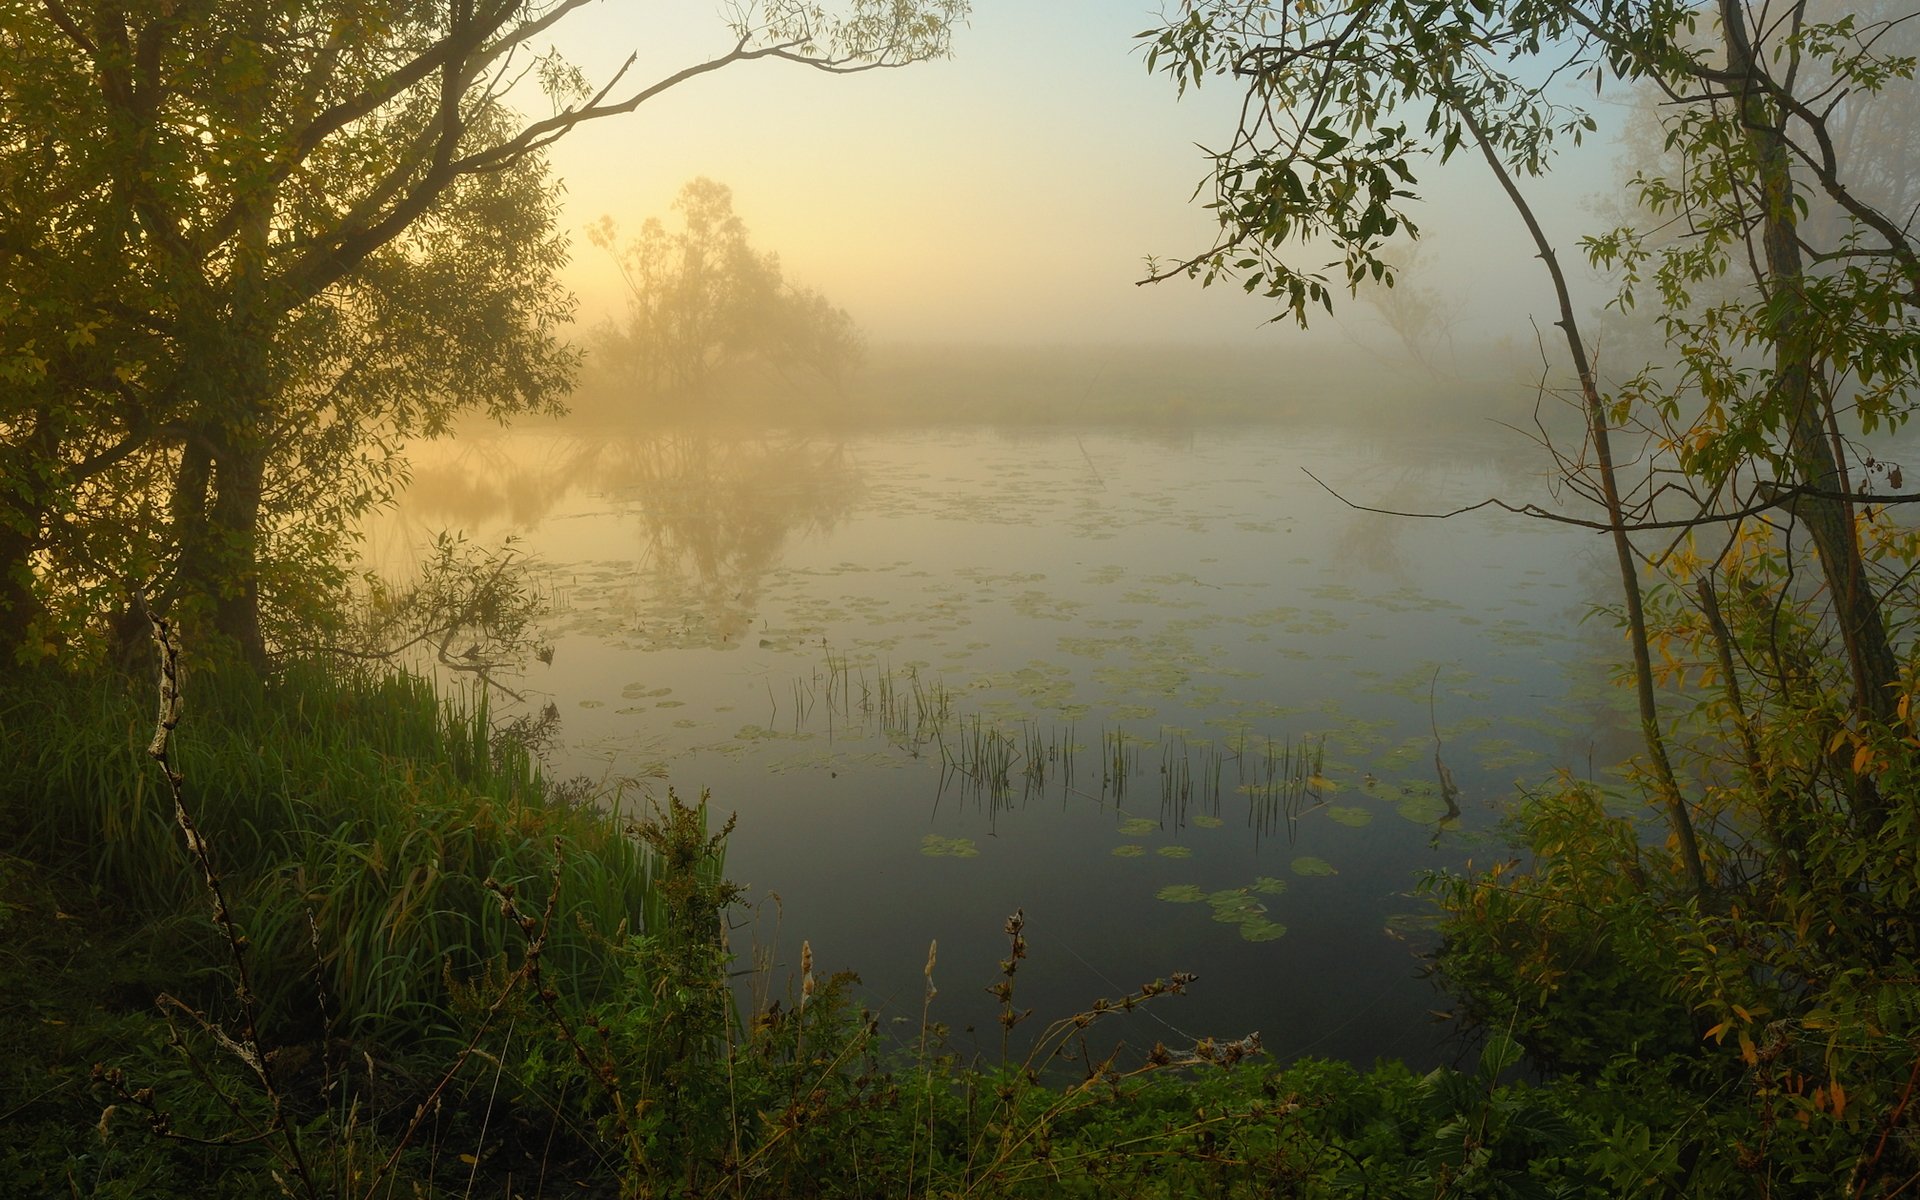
(247, 243)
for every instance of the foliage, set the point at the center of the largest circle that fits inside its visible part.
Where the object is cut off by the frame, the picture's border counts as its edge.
(704, 305)
(1759, 964)
(356, 809)
(473, 607)
(1564, 957)
(253, 247)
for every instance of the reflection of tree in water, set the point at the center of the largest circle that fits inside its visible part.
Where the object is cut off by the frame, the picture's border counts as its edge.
(490, 482)
(1428, 477)
(716, 510)
(719, 510)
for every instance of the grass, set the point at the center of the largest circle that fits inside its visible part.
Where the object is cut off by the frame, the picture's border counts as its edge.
(521, 999)
(356, 812)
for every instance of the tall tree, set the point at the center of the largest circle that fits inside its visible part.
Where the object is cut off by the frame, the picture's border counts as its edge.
(232, 227)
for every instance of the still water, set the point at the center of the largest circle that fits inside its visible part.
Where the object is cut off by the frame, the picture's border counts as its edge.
(1159, 690)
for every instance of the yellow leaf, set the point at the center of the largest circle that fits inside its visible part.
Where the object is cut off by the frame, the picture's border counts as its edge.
(1744, 1014)
(1838, 1095)
(1862, 758)
(1748, 1054)
(469, 1159)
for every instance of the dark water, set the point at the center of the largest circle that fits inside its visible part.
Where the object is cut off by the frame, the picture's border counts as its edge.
(1231, 684)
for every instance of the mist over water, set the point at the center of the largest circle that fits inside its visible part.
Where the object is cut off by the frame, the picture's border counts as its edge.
(1150, 683)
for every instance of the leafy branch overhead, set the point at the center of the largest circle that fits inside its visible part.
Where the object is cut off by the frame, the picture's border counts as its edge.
(1764, 323)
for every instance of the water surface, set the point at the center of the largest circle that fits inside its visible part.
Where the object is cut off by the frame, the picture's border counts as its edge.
(1159, 690)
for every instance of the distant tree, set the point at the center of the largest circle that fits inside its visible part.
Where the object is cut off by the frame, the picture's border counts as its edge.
(702, 300)
(248, 246)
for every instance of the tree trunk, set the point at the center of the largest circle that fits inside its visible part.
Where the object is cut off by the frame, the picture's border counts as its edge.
(218, 493)
(1679, 816)
(19, 606)
(235, 521)
(1830, 522)
(23, 525)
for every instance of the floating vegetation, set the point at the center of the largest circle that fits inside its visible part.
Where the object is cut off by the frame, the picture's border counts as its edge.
(1232, 906)
(935, 846)
(1418, 801)
(1235, 905)
(1308, 865)
(1008, 752)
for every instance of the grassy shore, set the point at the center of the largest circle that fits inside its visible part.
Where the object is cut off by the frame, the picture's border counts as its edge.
(444, 979)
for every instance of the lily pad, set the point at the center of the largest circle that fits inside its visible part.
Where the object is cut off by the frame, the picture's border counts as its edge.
(1206, 822)
(935, 846)
(1136, 826)
(1262, 930)
(1351, 815)
(1422, 808)
(1129, 851)
(1175, 852)
(1267, 885)
(1181, 893)
(1235, 906)
(1307, 864)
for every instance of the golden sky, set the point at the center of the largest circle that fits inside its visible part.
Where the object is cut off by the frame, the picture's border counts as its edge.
(1009, 194)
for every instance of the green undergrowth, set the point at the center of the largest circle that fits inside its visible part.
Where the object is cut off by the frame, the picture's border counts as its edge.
(459, 984)
(353, 819)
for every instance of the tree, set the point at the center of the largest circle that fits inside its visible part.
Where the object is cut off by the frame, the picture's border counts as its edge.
(702, 300)
(1787, 291)
(1345, 101)
(232, 228)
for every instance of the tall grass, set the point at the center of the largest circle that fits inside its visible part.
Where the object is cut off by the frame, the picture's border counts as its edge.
(355, 818)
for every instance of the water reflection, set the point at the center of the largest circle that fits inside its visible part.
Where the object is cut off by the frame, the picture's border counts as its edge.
(718, 512)
(1163, 692)
(710, 513)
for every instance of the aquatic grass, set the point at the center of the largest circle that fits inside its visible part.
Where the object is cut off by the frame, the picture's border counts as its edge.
(359, 802)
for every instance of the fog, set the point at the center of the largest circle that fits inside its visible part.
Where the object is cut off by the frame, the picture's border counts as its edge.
(1010, 194)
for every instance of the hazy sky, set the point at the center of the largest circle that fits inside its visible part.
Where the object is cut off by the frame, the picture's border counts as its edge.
(1008, 194)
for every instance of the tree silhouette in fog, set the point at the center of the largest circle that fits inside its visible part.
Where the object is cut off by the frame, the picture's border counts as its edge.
(704, 305)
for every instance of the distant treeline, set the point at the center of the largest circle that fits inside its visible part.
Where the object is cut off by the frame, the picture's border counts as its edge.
(1288, 381)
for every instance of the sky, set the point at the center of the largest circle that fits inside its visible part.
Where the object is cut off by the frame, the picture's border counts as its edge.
(1007, 195)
